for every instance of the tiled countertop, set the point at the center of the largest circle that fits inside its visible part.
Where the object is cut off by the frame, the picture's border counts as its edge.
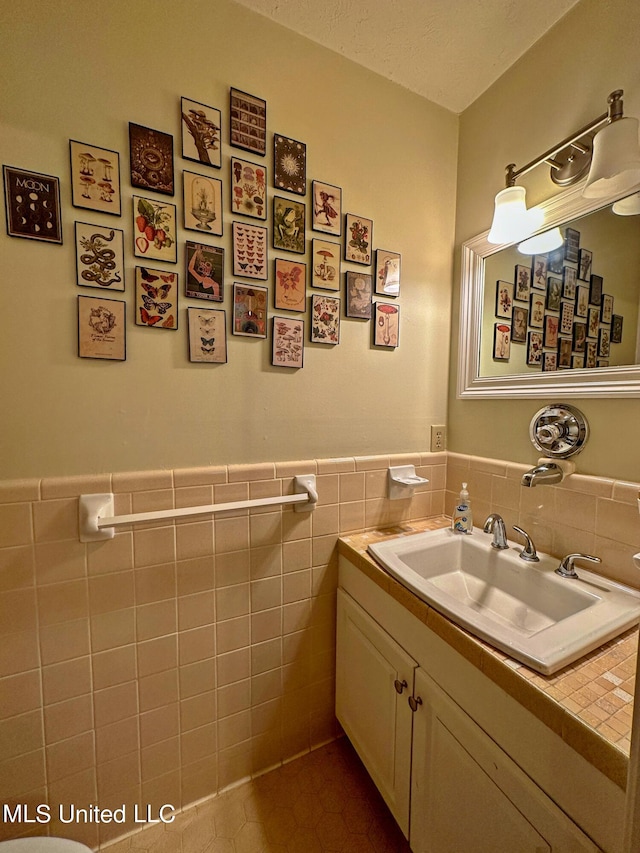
(588, 704)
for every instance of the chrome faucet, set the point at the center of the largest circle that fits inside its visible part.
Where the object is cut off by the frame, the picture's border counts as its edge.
(546, 473)
(528, 553)
(566, 568)
(495, 524)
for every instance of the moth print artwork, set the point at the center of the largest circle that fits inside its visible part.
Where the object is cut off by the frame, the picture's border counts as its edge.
(205, 272)
(290, 165)
(288, 225)
(327, 208)
(33, 205)
(207, 335)
(290, 285)
(288, 346)
(154, 229)
(325, 319)
(156, 298)
(250, 311)
(99, 256)
(248, 188)
(95, 178)
(386, 325)
(250, 251)
(151, 155)
(359, 237)
(101, 328)
(201, 133)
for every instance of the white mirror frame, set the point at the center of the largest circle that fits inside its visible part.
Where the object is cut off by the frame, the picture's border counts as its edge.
(600, 382)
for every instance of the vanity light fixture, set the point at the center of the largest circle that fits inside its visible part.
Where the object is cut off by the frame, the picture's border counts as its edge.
(629, 206)
(615, 168)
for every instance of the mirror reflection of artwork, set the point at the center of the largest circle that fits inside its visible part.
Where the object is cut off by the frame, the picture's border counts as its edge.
(522, 281)
(504, 299)
(501, 342)
(33, 205)
(584, 264)
(101, 328)
(201, 133)
(289, 164)
(151, 156)
(534, 348)
(519, 324)
(616, 328)
(539, 272)
(95, 178)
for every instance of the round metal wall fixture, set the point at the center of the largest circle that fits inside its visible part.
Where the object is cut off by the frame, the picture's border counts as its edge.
(559, 430)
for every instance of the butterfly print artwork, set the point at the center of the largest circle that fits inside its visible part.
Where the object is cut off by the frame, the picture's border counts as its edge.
(207, 335)
(156, 303)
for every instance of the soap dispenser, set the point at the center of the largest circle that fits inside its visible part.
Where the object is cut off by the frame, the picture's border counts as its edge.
(462, 521)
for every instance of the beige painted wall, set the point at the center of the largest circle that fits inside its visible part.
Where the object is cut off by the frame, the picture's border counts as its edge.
(74, 72)
(558, 86)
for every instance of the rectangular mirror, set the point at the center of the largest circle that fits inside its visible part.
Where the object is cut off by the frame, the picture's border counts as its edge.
(565, 322)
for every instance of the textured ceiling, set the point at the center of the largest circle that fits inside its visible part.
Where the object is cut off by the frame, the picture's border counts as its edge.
(449, 51)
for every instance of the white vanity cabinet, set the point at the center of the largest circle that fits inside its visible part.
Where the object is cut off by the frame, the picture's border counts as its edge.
(449, 785)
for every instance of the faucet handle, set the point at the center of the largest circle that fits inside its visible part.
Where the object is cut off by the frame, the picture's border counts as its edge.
(529, 552)
(566, 568)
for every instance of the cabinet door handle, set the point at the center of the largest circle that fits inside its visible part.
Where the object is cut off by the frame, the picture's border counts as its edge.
(414, 701)
(399, 685)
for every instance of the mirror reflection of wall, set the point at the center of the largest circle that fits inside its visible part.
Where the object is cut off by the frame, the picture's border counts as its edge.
(597, 274)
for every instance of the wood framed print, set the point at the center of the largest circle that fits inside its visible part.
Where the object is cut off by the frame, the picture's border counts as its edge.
(325, 319)
(504, 299)
(32, 205)
(289, 225)
(249, 310)
(99, 256)
(289, 165)
(534, 349)
(359, 294)
(551, 327)
(519, 323)
(205, 272)
(102, 328)
(536, 309)
(549, 361)
(571, 245)
(522, 280)
(154, 227)
(250, 252)
(358, 239)
(593, 322)
(564, 352)
(327, 208)
(501, 342)
(288, 342)
(207, 335)
(290, 285)
(201, 133)
(595, 290)
(156, 298)
(386, 325)
(604, 341)
(582, 301)
(585, 258)
(248, 126)
(567, 314)
(202, 198)
(539, 272)
(554, 292)
(325, 264)
(387, 272)
(95, 178)
(248, 188)
(569, 282)
(579, 337)
(151, 159)
(591, 354)
(616, 328)
(606, 308)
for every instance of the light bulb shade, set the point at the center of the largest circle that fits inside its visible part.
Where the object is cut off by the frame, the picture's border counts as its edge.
(616, 159)
(541, 243)
(629, 206)
(511, 219)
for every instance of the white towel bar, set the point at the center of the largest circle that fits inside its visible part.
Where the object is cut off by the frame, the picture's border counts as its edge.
(97, 522)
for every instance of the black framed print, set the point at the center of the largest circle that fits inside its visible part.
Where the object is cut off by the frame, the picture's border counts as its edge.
(95, 178)
(201, 133)
(32, 204)
(289, 164)
(248, 125)
(151, 159)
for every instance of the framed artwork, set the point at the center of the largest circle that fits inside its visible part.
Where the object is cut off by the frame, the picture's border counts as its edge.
(359, 294)
(289, 164)
(207, 335)
(567, 313)
(549, 361)
(325, 319)
(582, 301)
(151, 159)
(519, 323)
(564, 352)
(32, 205)
(249, 310)
(571, 245)
(569, 282)
(202, 198)
(604, 341)
(289, 225)
(616, 328)
(603, 362)
(387, 273)
(522, 279)
(154, 228)
(551, 327)
(386, 325)
(201, 133)
(501, 342)
(156, 298)
(606, 308)
(288, 342)
(99, 256)
(577, 362)
(102, 328)
(95, 178)
(579, 337)
(205, 272)
(290, 285)
(358, 239)
(585, 257)
(534, 348)
(327, 208)
(539, 272)
(555, 261)
(536, 310)
(325, 264)
(248, 188)
(554, 292)
(595, 290)
(591, 354)
(248, 126)
(593, 323)
(250, 250)
(504, 299)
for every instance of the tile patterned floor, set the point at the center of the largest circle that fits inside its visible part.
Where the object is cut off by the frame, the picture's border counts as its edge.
(323, 802)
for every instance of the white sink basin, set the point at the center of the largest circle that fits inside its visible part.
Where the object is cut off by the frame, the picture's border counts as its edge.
(524, 609)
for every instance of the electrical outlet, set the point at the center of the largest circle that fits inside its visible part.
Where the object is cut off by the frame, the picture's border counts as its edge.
(438, 438)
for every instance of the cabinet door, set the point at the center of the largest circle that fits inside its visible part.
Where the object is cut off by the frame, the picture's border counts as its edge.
(375, 716)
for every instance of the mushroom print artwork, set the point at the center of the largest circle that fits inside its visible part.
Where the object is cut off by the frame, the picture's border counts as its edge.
(386, 325)
(290, 165)
(288, 347)
(325, 319)
(325, 258)
(248, 188)
(95, 178)
(201, 133)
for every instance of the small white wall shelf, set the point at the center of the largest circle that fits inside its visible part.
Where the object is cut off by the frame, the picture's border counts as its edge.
(402, 480)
